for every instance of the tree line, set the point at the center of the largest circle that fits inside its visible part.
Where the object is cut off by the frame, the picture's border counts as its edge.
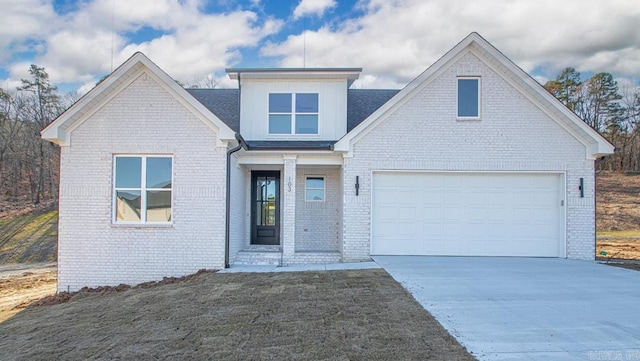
(612, 110)
(29, 166)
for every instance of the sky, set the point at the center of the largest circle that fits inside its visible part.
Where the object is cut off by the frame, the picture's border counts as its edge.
(80, 42)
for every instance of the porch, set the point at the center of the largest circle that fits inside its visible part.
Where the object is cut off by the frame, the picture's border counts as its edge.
(285, 209)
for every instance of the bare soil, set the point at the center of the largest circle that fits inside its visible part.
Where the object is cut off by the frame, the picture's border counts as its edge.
(618, 217)
(20, 287)
(618, 202)
(330, 315)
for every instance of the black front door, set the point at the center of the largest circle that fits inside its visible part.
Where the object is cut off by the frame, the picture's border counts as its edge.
(265, 207)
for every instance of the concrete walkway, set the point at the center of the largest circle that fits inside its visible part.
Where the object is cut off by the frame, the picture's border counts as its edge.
(301, 268)
(528, 308)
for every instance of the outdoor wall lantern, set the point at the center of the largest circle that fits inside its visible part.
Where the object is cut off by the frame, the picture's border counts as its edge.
(581, 187)
(357, 184)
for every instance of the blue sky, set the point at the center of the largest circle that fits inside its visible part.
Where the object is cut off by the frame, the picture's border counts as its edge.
(392, 40)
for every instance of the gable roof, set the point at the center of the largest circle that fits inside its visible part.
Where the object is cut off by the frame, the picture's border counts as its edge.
(60, 130)
(596, 145)
(361, 103)
(224, 103)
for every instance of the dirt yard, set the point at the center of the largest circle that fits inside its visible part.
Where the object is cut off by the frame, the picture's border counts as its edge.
(330, 315)
(20, 286)
(618, 216)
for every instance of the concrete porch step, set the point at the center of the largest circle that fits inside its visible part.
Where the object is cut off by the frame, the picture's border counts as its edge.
(259, 256)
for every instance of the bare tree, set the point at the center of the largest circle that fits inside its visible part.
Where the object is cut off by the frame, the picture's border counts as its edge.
(42, 107)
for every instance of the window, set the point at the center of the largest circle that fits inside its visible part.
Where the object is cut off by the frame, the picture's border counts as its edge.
(284, 118)
(314, 187)
(142, 189)
(469, 98)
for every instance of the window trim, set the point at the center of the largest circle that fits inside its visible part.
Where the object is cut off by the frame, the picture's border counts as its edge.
(461, 117)
(324, 187)
(293, 116)
(143, 190)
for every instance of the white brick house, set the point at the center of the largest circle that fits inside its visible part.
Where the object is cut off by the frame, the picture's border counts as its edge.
(471, 158)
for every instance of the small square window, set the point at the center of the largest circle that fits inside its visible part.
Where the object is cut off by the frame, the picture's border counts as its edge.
(314, 189)
(469, 98)
(307, 103)
(280, 103)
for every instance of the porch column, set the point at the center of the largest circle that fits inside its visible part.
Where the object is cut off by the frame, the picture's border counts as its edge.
(289, 208)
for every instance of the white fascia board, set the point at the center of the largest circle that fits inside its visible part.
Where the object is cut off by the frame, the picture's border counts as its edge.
(345, 143)
(256, 159)
(317, 160)
(109, 87)
(604, 147)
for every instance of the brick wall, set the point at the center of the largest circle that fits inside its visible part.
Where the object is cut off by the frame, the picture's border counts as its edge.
(318, 223)
(142, 119)
(513, 135)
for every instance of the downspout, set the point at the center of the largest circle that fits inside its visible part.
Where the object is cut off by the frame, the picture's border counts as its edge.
(227, 220)
(241, 144)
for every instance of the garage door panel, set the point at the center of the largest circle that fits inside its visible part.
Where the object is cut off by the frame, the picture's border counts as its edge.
(466, 214)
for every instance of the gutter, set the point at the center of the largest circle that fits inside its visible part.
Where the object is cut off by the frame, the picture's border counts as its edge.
(241, 144)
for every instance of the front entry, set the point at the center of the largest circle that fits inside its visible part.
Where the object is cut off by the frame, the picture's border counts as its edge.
(265, 207)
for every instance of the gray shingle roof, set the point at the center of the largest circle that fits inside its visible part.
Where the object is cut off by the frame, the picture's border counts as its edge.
(363, 102)
(225, 104)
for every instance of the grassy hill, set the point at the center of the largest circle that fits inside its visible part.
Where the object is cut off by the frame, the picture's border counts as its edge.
(29, 238)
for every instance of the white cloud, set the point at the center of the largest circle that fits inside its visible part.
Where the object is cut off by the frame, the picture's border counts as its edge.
(402, 38)
(312, 7)
(22, 21)
(79, 49)
(393, 41)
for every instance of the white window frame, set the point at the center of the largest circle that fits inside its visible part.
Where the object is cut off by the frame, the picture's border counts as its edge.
(324, 187)
(143, 189)
(478, 78)
(294, 114)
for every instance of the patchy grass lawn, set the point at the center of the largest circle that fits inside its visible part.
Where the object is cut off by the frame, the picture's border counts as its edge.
(30, 238)
(330, 315)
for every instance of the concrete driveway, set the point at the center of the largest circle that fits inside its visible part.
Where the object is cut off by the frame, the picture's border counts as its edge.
(528, 308)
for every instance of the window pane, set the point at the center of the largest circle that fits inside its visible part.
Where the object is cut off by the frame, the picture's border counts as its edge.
(128, 172)
(158, 172)
(315, 194)
(467, 97)
(306, 124)
(315, 182)
(271, 214)
(158, 206)
(279, 124)
(307, 103)
(271, 189)
(128, 206)
(280, 103)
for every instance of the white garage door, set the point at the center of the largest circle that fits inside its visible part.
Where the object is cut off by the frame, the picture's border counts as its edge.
(467, 214)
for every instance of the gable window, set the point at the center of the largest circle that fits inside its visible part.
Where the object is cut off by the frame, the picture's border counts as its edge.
(469, 98)
(142, 189)
(293, 113)
(314, 189)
